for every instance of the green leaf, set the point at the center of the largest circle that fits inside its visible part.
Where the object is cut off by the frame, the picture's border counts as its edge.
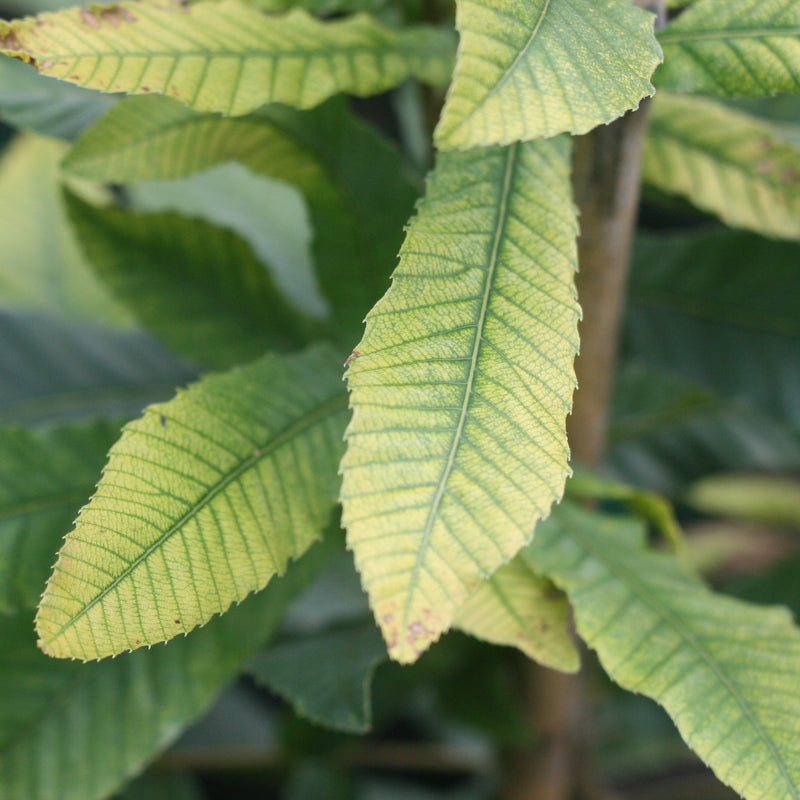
(326, 677)
(55, 371)
(543, 67)
(45, 105)
(733, 165)
(45, 477)
(72, 731)
(518, 607)
(461, 386)
(750, 47)
(202, 501)
(42, 266)
(198, 287)
(225, 56)
(727, 672)
(358, 193)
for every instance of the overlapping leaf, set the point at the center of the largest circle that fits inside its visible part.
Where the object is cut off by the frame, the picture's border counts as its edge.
(358, 193)
(225, 56)
(518, 607)
(199, 287)
(202, 501)
(726, 671)
(73, 731)
(461, 386)
(544, 67)
(748, 47)
(725, 162)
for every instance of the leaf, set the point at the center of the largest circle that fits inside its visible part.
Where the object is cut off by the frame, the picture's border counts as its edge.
(202, 501)
(750, 47)
(198, 287)
(326, 677)
(725, 162)
(158, 785)
(225, 56)
(54, 371)
(536, 69)
(45, 477)
(518, 607)
(461, 386)
(726, 671)
(42, 266)
(45, 105)
(358, 193)
(73, 731)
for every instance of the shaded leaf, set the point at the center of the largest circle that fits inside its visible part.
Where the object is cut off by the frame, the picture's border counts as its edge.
(72, 731)
(156, 785)
(461, 386)
(326, 677)
(198, 287)
(53, 371)
(727, 672)
(750, 47)
(225, 56)
(202, 501)
(536, 69)
(733, 165)
(518, 607)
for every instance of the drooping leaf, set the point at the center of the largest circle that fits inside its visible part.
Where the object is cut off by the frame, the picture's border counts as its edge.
(701, 307)
(518, 607)
(55, 371)
(326, 677)
(358, 193)
(73, 731)
(202, 501)
(733, 165)
(749, 47)
(198, 287)
(461, 386)
(225, 56)
(45, 477)
(42, 266)
(727, 672)
(536, 69)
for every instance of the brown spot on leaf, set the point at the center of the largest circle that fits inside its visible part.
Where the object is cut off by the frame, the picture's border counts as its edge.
(144, 89)
(9, 41)
(90, 19)
(47, 64)
(352, 357)
(177, 622)
(163, 421)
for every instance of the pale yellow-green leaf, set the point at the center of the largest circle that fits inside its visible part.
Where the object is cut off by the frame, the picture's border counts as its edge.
(460, 388)
(727, 672)
(202, 501)
(518, 607)
(542, 67)
(225, 56)
(726, 162)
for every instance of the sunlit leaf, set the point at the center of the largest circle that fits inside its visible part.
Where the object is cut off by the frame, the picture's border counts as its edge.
(461, 386)
(202, 501)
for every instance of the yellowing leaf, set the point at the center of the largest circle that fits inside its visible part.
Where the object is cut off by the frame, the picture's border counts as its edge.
(224, 56)
(542, 67)
(461, 386)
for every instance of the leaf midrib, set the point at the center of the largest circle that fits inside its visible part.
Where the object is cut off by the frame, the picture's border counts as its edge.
(433, 514)
(289, 433)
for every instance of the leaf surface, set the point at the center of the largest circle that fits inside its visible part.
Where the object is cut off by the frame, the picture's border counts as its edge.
(225, 57)
(747, 47)
(198, 287)
(726, 671)
(539, 68)
(518, 607)
(461, 386)
(202, 501)
(733, 165)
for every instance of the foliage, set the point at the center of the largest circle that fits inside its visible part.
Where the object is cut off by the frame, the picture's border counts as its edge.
(172, 404)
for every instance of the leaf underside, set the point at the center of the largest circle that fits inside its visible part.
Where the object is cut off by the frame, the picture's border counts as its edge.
(727, 672)
(225, 56)
(544, 67)
(202, 501)
(461, 386)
